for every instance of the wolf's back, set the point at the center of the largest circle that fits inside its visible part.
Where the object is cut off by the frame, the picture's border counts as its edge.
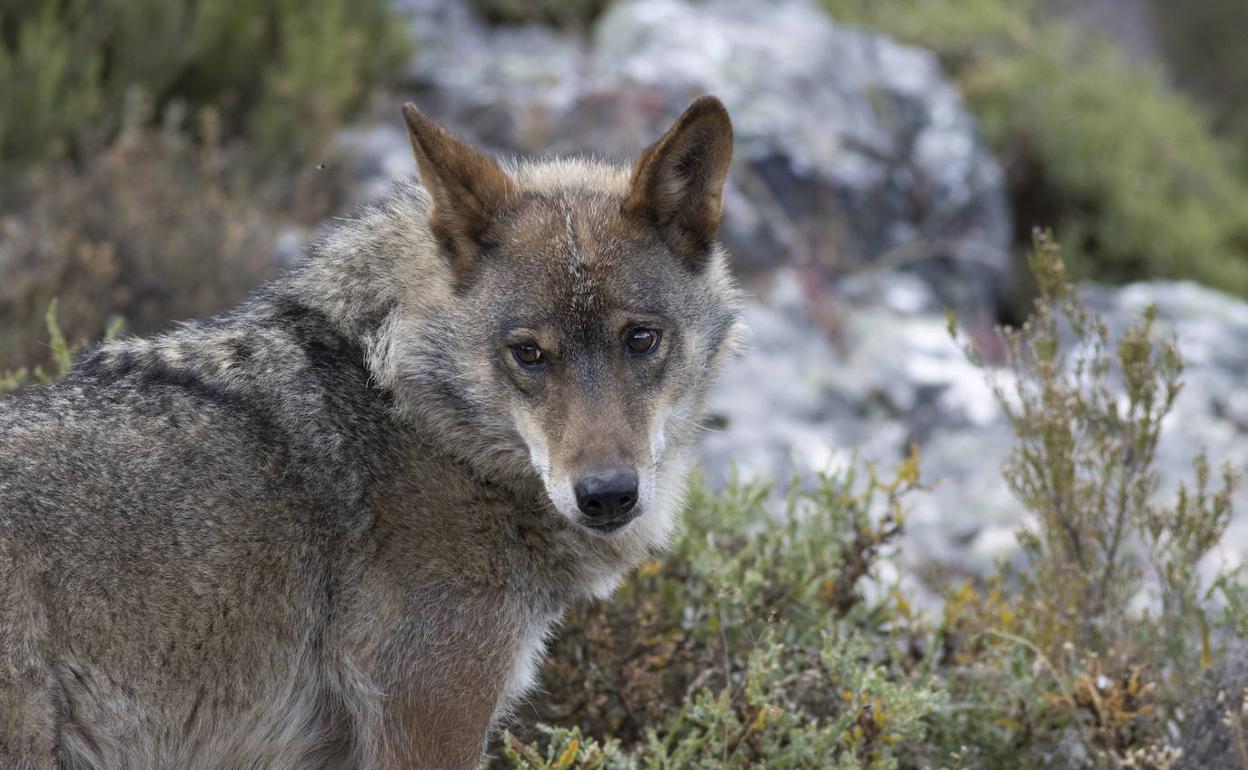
(144, 431)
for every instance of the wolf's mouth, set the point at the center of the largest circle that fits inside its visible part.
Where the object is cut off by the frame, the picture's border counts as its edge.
(609, 526)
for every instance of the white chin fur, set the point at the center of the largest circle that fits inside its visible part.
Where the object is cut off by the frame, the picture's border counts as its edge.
(660, 496)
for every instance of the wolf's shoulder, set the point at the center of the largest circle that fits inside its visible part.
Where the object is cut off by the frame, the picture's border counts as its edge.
(270, 382)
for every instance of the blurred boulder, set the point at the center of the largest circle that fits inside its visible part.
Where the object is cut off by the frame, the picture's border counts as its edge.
(852, 149)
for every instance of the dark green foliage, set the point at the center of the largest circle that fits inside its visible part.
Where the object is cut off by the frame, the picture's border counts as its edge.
(1203, 41)
(574, 15)
(1126, 169)
(281, 71)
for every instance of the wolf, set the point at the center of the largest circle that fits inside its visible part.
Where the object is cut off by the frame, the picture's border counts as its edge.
(335, 526)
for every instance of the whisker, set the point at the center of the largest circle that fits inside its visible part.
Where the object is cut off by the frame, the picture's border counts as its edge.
(694, 424)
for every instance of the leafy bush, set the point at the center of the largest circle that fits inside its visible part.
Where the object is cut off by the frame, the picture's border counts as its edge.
(1083, 465)
(1126, 169)
(282, 71)
(770, 639)
(1087, 415)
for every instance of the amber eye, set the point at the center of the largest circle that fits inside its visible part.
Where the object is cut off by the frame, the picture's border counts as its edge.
(642, 341)
(528, 354)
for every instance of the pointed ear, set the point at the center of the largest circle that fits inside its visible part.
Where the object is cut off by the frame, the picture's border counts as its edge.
(678, 182)
(467, 188)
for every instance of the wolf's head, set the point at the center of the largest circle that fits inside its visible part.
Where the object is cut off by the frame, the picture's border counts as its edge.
(584, 311)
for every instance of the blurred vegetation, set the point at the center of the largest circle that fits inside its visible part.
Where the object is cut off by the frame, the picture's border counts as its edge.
(572, 15)
(1203, 43)
(776, 640)
(152, 151)
(153, 228)
(282, 73)
(1127, 169)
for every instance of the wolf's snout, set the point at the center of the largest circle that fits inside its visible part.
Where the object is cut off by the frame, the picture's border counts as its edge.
(607, 496)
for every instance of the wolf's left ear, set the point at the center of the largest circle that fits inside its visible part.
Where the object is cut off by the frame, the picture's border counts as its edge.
(467, 188)
(678, 182)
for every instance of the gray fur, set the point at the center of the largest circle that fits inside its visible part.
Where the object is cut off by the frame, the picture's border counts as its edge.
(309, 532)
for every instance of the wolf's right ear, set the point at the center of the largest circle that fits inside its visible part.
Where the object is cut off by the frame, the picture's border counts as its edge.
(467, 188)
(678, 182)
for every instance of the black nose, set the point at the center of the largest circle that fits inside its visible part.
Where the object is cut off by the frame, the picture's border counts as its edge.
(607, 495)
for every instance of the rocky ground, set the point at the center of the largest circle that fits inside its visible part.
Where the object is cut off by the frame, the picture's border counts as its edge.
(862, 203)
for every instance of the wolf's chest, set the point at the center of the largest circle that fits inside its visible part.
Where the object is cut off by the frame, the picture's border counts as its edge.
(529, 650)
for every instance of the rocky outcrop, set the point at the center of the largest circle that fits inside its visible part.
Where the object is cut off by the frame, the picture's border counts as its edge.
(852, 149)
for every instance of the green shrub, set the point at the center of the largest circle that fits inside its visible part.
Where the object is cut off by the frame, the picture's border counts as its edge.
(877, 724)
(282, 71)
(151, 150)
(1083, 462)
(1087, 415)
(751, 644)
(1127, 170)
